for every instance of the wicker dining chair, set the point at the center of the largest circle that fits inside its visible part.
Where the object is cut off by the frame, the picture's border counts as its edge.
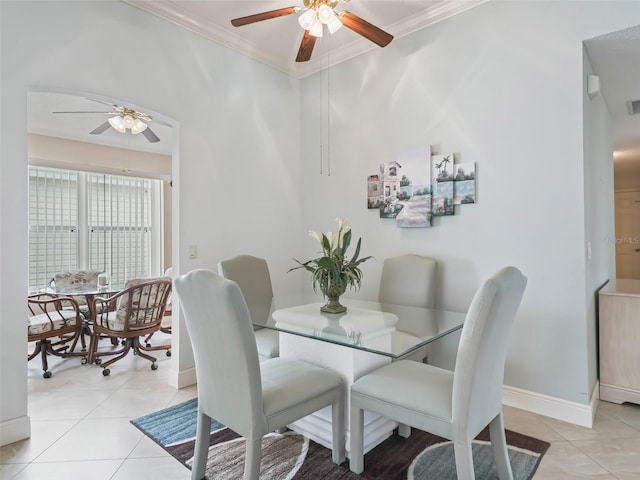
(134, 312)
(55, 324)
(167, 319)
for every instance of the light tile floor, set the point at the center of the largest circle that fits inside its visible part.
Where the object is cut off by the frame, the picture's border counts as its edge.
(80, 429)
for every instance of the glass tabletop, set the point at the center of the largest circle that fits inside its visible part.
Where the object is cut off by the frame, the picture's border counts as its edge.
(82, 289)
(385, 329)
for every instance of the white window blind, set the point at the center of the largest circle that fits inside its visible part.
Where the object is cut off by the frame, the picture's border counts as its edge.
(53, 224)
(120, 226)
(80, 220)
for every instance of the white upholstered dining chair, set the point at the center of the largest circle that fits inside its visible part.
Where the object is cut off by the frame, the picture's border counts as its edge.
(252, 276)
(252, 398)
(408, 280)
(455, 405)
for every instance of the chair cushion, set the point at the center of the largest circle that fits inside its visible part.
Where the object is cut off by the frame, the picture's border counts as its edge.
(167, 321)
(267, 342)
(288, 382)
(144, 297)
(113, 321)
(80, 279)
(41, 323)
(401, 341)
(407, 390)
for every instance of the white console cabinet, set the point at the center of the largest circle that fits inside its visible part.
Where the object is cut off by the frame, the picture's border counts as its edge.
(619, 307)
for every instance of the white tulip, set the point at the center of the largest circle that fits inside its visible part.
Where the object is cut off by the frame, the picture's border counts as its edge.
(316, 235)
(331, 236)
(342, 223)
(343, 232)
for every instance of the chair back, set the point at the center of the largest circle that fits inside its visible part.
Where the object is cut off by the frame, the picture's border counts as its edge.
(79, 280)
(224, 349)
(479, 370)
(139, 306)
(168, 273)
(51, 315)
(84, 278)
(408, 280)
(252, 276)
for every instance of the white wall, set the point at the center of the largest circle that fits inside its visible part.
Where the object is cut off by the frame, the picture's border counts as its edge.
(599, 209)
(46, 151)
(500, 85)
(238, 149)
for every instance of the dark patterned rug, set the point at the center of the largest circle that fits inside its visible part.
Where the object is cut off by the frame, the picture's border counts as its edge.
(291, 456)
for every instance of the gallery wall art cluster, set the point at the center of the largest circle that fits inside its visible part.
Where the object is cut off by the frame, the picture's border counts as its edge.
(419, 186)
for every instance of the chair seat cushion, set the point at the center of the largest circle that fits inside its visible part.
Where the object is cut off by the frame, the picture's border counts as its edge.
(401, 341)
(167, 321)
(288, 382)
(267, 342)
(408, 391)
(42, 323)
(116, 322)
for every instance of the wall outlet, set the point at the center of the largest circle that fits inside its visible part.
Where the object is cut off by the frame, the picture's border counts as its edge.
(589, 253)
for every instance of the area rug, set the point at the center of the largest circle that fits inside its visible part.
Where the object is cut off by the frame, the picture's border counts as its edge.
(290, 456)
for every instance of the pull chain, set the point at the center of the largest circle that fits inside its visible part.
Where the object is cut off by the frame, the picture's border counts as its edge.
(328, 112)
(324, 104)
(321, 152)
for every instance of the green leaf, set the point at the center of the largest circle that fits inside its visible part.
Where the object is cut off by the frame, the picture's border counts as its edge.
(355, 255)
(363, 259)
(346, 240)
(326, 246)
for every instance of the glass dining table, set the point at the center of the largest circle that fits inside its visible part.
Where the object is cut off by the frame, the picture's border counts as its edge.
(88, 291)
(365, 337)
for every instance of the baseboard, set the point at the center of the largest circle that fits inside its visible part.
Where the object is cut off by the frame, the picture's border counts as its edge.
(560, 409)
(182, 378)
(616, 394)
(14, 430)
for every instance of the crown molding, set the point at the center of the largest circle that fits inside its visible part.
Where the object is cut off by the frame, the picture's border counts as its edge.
(175, 13)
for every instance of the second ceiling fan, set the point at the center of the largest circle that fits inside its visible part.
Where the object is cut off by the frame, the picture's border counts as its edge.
(123, 119)
(316, 14)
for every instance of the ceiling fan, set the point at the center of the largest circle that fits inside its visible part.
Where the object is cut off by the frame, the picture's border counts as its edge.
(123, 119)
(316, 14)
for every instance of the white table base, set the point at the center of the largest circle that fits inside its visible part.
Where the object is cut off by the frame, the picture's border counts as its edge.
(351, 364)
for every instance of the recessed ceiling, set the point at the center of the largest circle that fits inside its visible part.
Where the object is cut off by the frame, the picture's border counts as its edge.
(275, 42)
(615, 58)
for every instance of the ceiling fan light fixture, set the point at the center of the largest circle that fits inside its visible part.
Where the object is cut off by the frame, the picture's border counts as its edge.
(128, 121)
(117, 123)
(316, 29)
(307, 19)
(325, 12)
(334, 24)
(138, 126)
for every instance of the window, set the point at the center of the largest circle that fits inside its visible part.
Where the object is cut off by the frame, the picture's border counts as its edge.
(53, 224)
(81, 220)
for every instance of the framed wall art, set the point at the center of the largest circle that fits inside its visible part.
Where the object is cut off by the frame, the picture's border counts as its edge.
(418, 186)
